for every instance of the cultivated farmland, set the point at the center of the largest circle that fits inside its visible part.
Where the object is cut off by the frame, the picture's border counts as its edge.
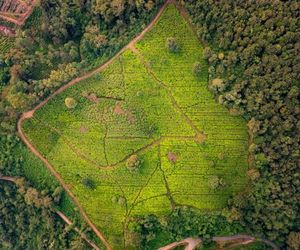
(144, 135)
(5, 44)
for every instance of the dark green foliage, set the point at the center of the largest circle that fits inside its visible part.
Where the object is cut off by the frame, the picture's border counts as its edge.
(133, 163)
(26, 223)
(88, 182)
(172, 45)
(4, 73)
(9, 164)
(183, 222)
(256, 53)
(197, 68)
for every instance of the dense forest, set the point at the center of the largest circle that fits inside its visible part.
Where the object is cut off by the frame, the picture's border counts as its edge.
(252, 47)
(27, 216)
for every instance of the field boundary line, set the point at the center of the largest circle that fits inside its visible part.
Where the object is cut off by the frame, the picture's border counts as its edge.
(175, 105)
(60, 180)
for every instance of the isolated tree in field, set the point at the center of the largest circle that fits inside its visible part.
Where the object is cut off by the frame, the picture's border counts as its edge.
(133, 163)
(88, 182)
(197, 69)
(172, 45)
(216, 182)
(70, 102)
(121, 201)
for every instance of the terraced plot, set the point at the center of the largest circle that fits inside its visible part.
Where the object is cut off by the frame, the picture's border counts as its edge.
(147, 103)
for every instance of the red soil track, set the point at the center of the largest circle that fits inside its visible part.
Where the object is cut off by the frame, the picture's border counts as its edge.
(232, 241)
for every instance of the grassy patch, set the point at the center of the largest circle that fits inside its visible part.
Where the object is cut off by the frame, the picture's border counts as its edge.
(149, 103)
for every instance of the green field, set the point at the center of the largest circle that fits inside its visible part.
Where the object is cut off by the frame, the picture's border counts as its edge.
(5, 44)
(147, 102)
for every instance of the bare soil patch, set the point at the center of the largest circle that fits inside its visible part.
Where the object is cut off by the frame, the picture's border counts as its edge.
(172, 157)
(83, 129)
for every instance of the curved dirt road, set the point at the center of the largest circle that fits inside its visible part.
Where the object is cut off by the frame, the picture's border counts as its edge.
(235, 240)
(30, 114)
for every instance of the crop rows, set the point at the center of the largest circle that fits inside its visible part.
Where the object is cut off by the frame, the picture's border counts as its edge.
(148, 103)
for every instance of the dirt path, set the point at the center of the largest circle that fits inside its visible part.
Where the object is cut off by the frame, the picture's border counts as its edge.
(232, 241)
(190, 243)
(29, 114)
(82, 235)
(8, 178)
(57, 176)
(6, 31)
(61, 215)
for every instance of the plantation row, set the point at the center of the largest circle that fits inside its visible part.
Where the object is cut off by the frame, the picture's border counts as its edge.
(139, 139)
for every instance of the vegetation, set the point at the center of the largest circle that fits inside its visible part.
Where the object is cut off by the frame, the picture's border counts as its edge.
(197, 68)
(28, 217)
(27, 222)
(70, 102)
(254, 49)
(156, 109)
(133, 163)
(181, 223)
(172, 45)
(128, 117)
(59, 41)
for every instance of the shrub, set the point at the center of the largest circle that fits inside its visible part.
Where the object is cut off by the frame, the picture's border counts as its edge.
(217, 85)
(121, 201)
(172, 45)
(294, 240)
(221, 56)
(216, 182)
(114, 199)
(88, 182)
(133, 163)
(197, 68)
(70, 102)
(221, 156)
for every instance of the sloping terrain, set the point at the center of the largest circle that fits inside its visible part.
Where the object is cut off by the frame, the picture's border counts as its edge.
(148, 103)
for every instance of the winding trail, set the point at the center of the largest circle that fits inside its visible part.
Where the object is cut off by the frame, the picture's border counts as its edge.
(232, 241)
(61, 215)
(30, 114)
